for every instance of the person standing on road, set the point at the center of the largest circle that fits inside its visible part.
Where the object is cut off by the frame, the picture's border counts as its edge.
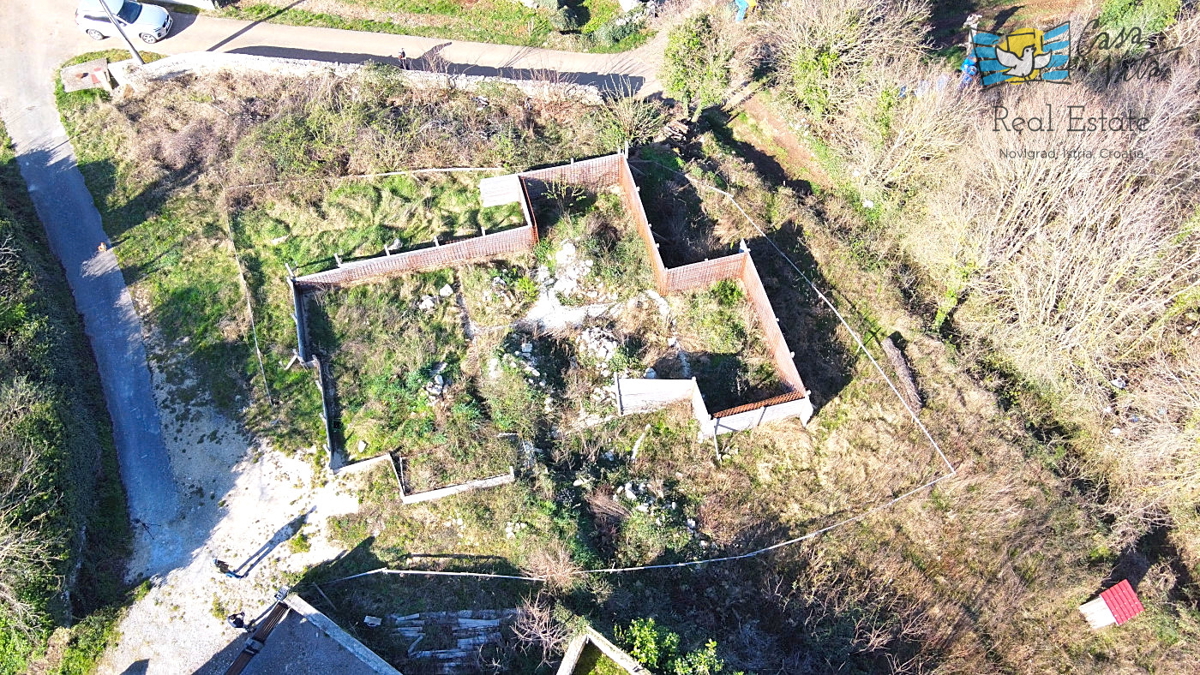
(223, 568)
(403, 57)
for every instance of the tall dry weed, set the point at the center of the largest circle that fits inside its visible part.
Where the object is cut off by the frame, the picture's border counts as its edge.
(1080, 272)
(1080, 268)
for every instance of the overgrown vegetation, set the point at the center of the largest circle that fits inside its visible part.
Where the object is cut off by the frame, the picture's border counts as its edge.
(696, 65)
(587, 25)
(63, 526)
(987, 268)
(658, 649)
(1078, 275)
(194, 245)
(1063, 285)
(631, 491)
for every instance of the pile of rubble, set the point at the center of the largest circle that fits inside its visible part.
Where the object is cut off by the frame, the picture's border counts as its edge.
(650, 500)
(523, 361)
(500, 291)
(571, 270)
(600, 344)
(437, 384)
(428, 302)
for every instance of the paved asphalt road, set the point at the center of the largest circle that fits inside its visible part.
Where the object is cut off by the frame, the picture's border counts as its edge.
(31, 46)
(36, 36)
(199, 33)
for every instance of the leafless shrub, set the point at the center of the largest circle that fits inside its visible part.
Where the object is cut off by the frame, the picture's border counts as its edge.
(842, 608)
(1074, 263)
(553, 564)
(630, 120)
(835, 56)
(1080, 270)
(8, 254)
(855, 69)
(537, 628)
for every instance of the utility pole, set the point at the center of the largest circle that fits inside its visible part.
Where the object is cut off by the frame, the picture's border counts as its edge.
(132, 50)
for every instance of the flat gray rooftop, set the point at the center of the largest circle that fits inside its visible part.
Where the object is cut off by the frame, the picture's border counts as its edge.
(298, 647)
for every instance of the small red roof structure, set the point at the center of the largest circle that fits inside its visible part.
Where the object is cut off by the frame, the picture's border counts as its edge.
(1115, 605)
(1122, 602)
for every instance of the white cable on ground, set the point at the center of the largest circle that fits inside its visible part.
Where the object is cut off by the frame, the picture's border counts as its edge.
(384, 570)
(772, 547)
(408, 172)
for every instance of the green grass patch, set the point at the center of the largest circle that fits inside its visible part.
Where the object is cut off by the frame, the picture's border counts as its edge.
(494, 21)
(594, 662)
(718, 329)
(490, 21)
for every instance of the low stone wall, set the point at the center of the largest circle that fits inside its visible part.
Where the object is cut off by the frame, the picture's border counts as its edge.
(474, 249)
(208, 63)
(440, 493)
(647, 395)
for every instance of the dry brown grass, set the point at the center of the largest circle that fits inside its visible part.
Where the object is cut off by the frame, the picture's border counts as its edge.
(553, 564)
(1083, 273)
(1077, 273)
(276, 128)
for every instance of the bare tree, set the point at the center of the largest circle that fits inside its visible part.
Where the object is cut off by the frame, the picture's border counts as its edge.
(537, 628)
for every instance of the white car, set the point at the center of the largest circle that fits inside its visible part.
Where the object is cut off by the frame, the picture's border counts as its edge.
(151, 23)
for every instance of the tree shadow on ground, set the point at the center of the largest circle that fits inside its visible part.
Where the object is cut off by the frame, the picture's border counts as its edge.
(824, 357)
(1154, 547)
(734, 603)
(764, 164)
(435, 64)
(102, 179)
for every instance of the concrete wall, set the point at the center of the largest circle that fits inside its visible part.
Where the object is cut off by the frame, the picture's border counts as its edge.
(433, 495)
(646, 395)
(801, 408)
(206, 63)
(591, 636)
(434, 257)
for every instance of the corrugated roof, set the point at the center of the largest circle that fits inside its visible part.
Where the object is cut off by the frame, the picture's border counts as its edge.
(1122, 602)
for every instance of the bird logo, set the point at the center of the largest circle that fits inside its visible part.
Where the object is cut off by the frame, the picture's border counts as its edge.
(1024, 55)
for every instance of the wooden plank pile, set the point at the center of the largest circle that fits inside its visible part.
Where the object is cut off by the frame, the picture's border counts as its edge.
(451, 639)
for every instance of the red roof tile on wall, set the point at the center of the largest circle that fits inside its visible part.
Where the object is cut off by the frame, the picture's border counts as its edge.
(1122, 602)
